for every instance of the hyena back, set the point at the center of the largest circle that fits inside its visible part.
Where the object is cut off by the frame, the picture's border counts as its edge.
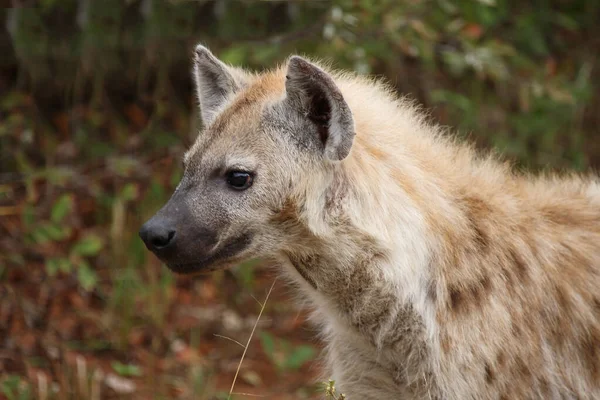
(434, 272)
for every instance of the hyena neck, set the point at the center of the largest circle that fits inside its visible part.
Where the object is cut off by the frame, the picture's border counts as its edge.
(351, 287)
(362, 283)
(350, 260)
(355, 244)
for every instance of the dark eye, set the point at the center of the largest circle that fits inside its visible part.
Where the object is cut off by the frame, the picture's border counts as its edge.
(239, 180)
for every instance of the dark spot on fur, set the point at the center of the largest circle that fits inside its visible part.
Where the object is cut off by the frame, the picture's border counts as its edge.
(560, 216)
(369, 322)
(460, 299)
(590, 352)
(544, 387)
(597, 305)
(481, 237)
(476, 212)
(522, 368)
(561, 298)
(336, 192)
(457, 299)
(302, 264)
(501, 359)
(481, 289)
(517, 331)
(520, 265)
(287, 213)
(489, 374)
(558, 331)
(432, 291)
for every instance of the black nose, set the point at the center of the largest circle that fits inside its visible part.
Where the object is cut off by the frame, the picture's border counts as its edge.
(157, 235)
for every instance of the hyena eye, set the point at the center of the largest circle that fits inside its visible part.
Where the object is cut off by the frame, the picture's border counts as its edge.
(239, 180)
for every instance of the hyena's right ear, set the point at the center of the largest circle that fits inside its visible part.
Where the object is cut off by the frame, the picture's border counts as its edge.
(216, 82)
(314, 92)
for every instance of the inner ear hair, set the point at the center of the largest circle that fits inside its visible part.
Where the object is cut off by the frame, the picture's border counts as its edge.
(319, 112)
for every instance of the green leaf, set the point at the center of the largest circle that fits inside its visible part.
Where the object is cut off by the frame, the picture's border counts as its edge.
(64, 265)
(268, 343)
(88, 246)
(13, 388)
(61, 208)
(55, 232)
(29, 217)
(40, 236)
(299, 356)
(52, 266)
(129, 192)
(126, 369)
(87, 276)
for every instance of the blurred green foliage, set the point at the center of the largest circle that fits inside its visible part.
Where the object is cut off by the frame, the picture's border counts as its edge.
(97, 105)
(14, 388)
(283, 354)
(522, 76)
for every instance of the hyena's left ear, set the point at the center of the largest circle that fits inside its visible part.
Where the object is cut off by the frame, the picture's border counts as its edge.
(314, 91)
(216, 82)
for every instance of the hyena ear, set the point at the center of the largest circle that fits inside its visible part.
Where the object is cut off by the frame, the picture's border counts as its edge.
(215, 82)
(313, 90)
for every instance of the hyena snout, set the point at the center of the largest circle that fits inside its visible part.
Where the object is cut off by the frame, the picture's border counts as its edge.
(178, 240)
(158, 234)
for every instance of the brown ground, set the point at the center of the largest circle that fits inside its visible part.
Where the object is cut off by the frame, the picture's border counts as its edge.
(85, 310)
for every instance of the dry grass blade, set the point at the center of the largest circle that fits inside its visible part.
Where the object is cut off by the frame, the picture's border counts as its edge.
(250, 338)
(42, 386)
(255, 299)
(81, 375)
(230, 339)
(95, 390)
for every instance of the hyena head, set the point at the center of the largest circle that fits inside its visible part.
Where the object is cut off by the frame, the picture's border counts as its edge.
(267, 138)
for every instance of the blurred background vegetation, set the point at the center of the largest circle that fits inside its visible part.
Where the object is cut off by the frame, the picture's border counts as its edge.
(96, 108)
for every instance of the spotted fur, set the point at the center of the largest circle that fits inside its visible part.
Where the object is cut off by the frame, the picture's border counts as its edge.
(434, 272)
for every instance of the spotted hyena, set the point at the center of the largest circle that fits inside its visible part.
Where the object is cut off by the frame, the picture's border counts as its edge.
(434, 272)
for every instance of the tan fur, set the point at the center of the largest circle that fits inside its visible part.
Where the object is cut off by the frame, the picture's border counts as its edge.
(434, 272)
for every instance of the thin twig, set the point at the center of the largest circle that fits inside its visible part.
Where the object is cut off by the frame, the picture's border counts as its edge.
(250, 338)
